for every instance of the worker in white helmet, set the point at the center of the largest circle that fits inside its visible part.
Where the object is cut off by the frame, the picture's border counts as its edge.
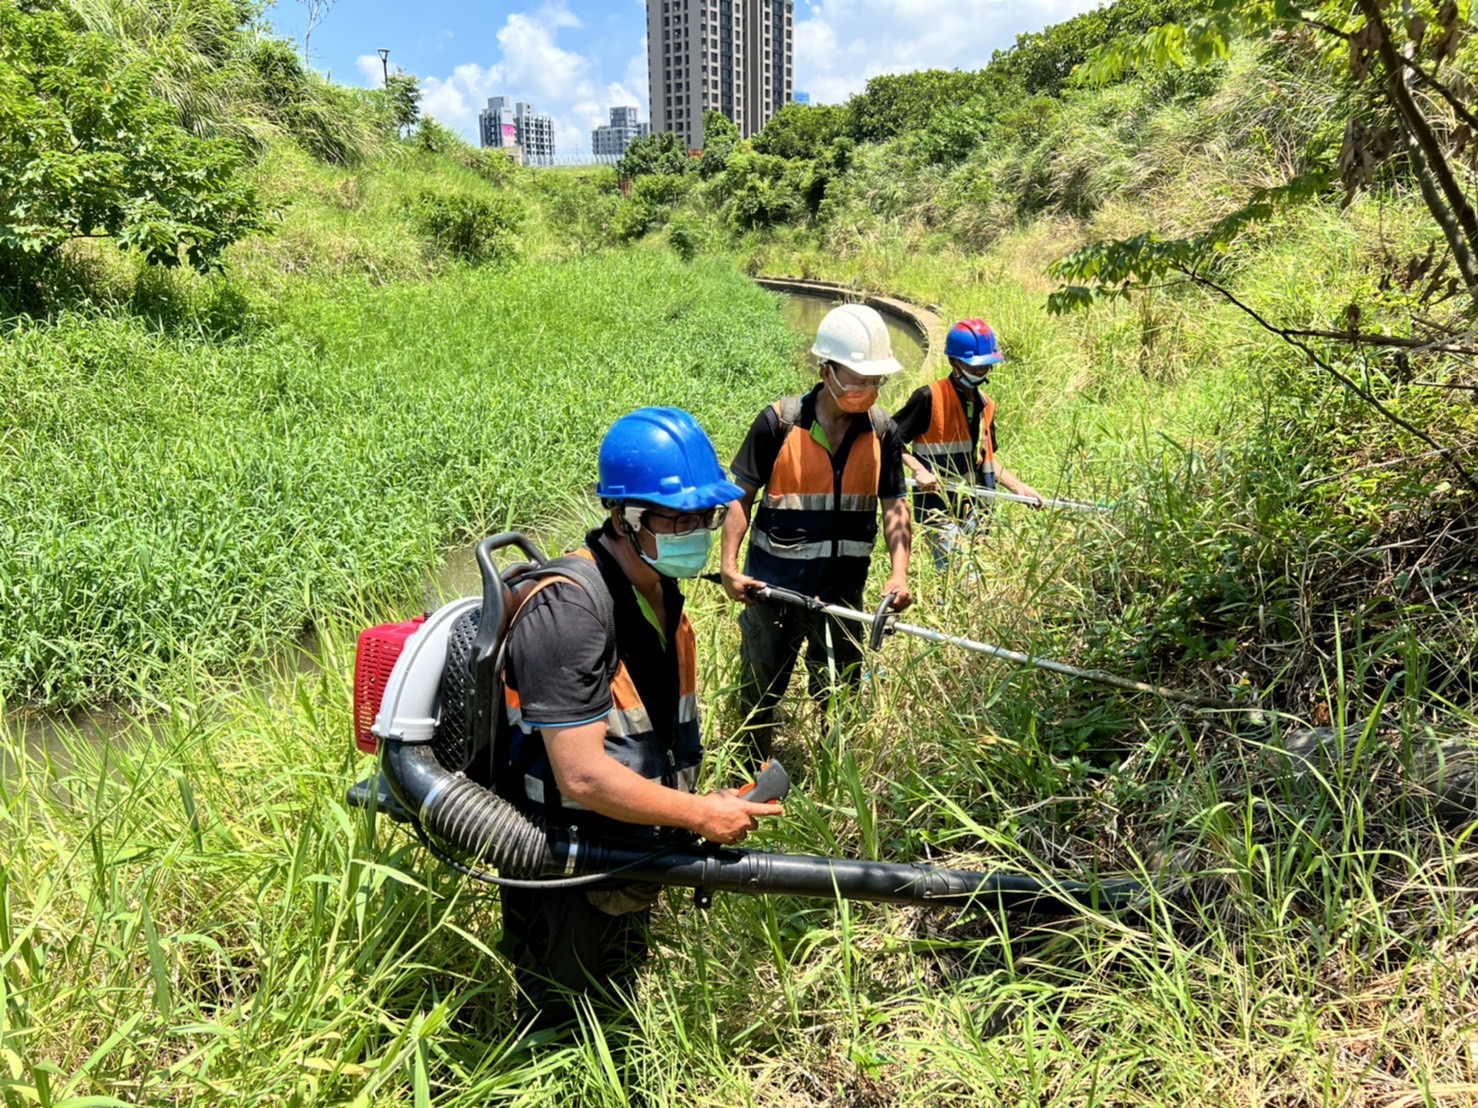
(827, 462)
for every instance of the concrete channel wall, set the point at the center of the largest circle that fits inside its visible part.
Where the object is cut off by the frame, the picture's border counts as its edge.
(923, 321)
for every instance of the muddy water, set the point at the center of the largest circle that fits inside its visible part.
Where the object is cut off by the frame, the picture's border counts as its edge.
(805, 313)
(458, 577)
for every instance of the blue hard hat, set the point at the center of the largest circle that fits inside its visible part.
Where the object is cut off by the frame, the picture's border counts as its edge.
(973, 342)
(661, 456)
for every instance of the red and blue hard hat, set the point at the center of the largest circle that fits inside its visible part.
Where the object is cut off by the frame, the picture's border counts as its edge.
(973, 342)
(662, 456)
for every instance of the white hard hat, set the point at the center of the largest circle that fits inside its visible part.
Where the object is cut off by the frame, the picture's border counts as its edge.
(855, 336)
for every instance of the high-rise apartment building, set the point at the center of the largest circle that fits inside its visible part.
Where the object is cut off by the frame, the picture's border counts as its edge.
(729, 56)
(503, 123)
(768, 80)
(612, 140)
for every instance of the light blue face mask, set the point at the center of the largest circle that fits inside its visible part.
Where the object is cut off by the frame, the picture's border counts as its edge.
(974, 382)
(680, 555)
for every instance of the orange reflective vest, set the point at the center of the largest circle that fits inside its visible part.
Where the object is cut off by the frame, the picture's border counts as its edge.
(667, 754)
(818, 518)
(946, 447)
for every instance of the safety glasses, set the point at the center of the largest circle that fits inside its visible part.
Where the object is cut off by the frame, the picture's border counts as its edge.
(662, 522)
(848, 381)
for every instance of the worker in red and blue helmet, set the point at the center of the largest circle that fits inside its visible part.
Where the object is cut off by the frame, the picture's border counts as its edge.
(951, 428)
(605, 734)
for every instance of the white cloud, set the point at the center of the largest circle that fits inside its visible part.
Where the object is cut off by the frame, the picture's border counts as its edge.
(637, 78)
(532, 67)
(371, 69)
(840, 44)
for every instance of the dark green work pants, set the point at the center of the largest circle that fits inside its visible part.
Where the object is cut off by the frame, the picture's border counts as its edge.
(772, 640)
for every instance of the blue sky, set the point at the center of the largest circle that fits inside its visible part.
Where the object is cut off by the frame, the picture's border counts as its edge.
(575, 59)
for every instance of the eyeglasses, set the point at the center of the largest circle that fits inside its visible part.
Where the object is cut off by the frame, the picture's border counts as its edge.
(853, 382)
(684, 523)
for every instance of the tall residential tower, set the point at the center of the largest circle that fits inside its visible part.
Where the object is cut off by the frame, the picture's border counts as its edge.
(503, 123)
(729, 56)
(612, 140)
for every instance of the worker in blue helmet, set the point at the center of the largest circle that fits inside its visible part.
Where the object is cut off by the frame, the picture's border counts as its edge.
(951, 428)
(605, 726)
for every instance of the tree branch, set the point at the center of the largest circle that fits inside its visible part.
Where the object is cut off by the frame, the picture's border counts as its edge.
(1442, 90)
(1451, 209)
(1360, 339)
(1292, 339)
(1327, 478)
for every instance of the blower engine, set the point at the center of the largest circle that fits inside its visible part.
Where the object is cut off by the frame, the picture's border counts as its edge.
(428, 700)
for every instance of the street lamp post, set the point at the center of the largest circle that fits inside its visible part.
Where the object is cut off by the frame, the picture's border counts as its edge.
(385, 64)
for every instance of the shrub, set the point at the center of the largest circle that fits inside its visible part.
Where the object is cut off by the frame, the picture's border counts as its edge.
(956, 130)
(765, 190)
(87, 150)
(474, 228)
(662, 152)
(686, 239)
(337, 125)
(659, 188)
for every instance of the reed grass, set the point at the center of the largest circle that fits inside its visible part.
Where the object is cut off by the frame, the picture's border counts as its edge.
(165, 496)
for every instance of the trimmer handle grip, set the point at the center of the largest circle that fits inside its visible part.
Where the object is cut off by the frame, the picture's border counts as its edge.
(770, 783)
(880, 622)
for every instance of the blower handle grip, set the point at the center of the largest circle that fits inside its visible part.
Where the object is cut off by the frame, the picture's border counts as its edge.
(770, 783)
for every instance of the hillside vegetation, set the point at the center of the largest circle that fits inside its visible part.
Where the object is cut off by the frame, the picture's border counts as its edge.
(287, 343)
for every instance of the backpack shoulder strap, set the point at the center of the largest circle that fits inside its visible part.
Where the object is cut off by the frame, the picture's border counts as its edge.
(581, 569)
(789, 411)
(880, 420)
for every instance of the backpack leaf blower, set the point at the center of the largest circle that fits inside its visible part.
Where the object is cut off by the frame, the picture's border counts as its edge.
(428, 700)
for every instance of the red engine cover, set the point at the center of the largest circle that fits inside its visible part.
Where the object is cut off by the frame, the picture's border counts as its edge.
(379, 647)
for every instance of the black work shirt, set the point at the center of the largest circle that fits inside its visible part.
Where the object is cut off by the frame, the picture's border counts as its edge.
(913, 420)
(559, 659)
(756, 458)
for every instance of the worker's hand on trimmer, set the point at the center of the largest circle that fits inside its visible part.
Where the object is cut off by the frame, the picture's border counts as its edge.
(741, 587)
(926, 480)
(724, 818)
(902, 596)
(1027, 490)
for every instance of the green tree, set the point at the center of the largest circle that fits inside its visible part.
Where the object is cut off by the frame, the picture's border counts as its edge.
(401, 98)
(719, 138)
(1042, 61)
(801, 130)
(1407, 119)
(87, 151)
(661, 152)
(764, 190)
(902, 103)
(956, 129)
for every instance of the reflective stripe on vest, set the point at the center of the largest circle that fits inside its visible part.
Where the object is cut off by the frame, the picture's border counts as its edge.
(804, 516)
(946, 444)
(631, 737)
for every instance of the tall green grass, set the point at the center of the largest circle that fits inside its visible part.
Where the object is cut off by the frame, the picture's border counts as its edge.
(191, 914)
(164, 496)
